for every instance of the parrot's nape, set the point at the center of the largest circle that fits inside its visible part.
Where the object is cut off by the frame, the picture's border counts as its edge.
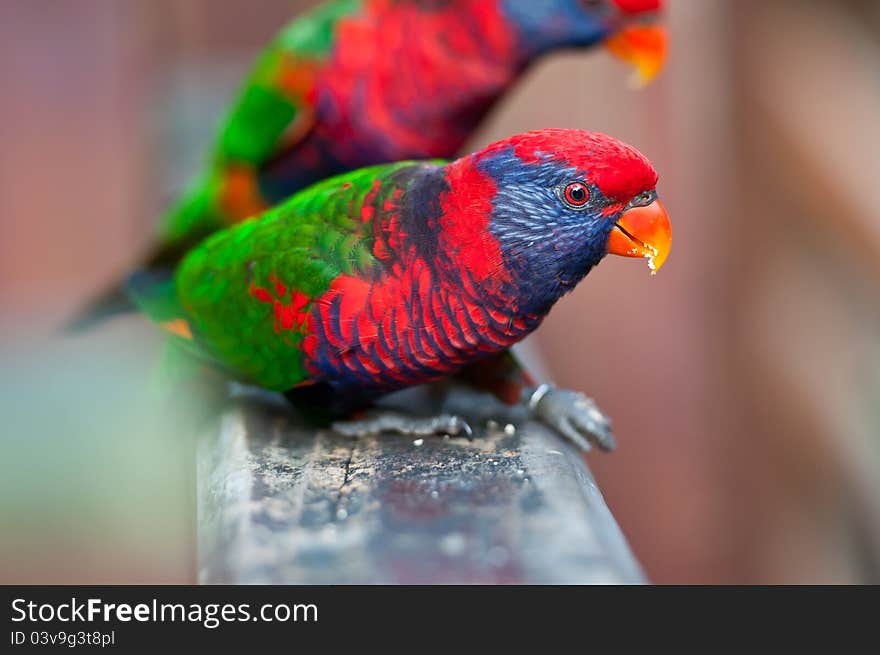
(404, 273)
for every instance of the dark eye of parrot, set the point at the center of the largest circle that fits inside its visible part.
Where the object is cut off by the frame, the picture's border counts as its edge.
(576, 194)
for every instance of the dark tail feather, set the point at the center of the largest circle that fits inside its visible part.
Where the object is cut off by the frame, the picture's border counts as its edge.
(117, 300)
(109, 304)
(154, 293)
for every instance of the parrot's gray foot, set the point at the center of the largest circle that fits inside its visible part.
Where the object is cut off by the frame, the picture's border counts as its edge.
(410, 426)
(573, 415)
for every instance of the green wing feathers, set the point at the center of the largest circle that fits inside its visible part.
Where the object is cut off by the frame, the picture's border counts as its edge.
(274, 109)
(278, 91)
(232, 288)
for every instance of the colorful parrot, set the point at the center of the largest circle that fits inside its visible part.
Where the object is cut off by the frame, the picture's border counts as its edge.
(361, 82)
(405, 273)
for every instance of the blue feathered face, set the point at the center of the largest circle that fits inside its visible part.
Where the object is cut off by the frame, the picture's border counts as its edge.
(551, 223)
(627, 28)
(563, 199)
(548, 24)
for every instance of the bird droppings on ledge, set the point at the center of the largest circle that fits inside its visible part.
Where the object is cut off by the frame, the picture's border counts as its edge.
(279, 503)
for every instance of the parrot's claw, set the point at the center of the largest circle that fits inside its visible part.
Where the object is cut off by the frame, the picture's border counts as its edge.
(410, 426)
(573, 415)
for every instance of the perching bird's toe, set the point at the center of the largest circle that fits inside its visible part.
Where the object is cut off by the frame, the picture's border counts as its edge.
(574, 416)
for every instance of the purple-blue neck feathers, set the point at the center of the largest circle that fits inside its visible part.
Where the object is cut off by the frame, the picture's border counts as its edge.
(547, 246)
(545, 25)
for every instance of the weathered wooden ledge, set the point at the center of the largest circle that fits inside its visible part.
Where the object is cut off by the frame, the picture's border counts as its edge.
(278, 503)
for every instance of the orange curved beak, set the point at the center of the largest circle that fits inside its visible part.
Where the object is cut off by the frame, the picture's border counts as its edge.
(643, 232)
(643, 47)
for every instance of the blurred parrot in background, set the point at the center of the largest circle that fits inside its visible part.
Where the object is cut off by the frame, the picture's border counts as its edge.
(360, 82)
(404, 273)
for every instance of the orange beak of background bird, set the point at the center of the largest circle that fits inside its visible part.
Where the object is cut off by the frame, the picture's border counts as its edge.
(641, 46)
(643, 232)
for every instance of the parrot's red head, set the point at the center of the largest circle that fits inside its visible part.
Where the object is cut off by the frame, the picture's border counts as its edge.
(559, 200)
(626, 27)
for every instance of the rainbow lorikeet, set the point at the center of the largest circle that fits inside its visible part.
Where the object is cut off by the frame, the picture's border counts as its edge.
(360, 82)
(404, 273)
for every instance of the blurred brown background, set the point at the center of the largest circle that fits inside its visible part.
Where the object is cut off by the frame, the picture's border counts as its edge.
(744, 380)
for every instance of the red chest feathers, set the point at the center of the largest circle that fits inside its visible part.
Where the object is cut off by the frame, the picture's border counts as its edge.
(406, 328)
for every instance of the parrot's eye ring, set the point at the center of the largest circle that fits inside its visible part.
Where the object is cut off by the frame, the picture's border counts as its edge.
(576, 194)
